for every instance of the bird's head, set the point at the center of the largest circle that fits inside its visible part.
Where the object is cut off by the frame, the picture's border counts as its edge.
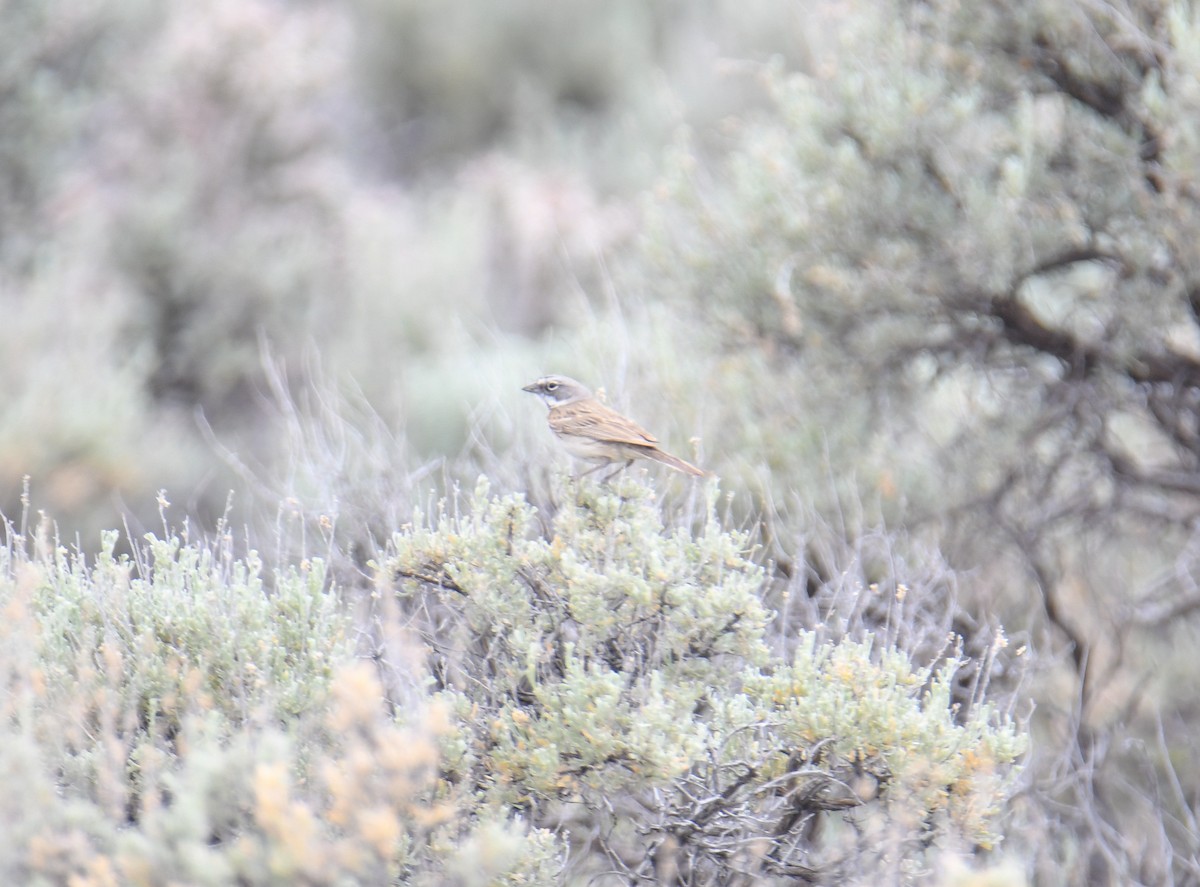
(558, 390)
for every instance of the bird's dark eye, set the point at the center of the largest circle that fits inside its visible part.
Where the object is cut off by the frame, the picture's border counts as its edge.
(550, 386)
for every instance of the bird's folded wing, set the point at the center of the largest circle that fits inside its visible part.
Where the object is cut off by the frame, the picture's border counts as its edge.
(594, 419)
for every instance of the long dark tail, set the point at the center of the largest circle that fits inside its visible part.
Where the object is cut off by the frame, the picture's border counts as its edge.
(674, 461)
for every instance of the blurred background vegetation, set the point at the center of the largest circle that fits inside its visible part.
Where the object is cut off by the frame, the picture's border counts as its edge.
(919, 281)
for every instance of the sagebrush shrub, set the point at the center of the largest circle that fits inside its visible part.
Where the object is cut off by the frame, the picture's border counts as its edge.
(612, 673)
(171, 716)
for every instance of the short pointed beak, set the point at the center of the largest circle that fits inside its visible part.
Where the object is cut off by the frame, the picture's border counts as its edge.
(532, 388)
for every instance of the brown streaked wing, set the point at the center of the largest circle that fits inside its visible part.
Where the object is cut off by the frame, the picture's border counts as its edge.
(590, 418)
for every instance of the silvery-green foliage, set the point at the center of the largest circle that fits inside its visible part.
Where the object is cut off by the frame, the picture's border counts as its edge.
(611, 674)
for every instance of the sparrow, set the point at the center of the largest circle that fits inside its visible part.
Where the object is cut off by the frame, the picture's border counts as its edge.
(594, 432)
